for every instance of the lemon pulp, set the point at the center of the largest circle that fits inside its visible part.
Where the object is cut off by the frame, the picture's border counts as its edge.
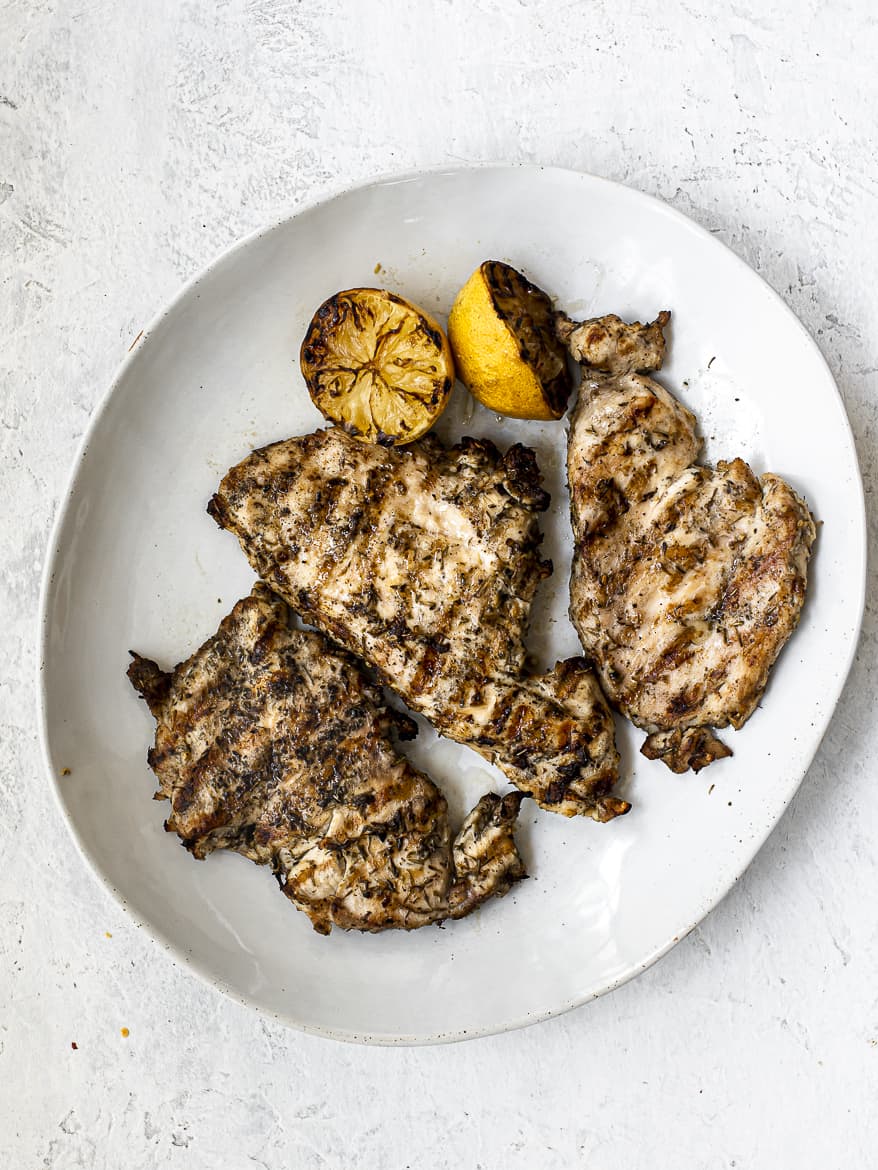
(377, 365)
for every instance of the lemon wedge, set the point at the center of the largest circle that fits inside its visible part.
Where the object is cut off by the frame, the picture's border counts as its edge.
(502, 333)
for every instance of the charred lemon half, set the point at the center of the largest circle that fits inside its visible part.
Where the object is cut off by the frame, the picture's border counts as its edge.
(502, 332)
(377, 365)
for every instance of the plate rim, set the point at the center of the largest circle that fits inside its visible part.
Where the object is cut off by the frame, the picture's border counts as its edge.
(178, 956)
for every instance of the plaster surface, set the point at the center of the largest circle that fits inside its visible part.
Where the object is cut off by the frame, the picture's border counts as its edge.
(137, 141)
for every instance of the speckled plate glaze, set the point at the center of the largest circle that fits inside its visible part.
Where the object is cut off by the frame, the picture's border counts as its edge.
(136, 562)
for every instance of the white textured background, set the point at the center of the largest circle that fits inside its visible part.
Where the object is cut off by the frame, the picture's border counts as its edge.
(137, 140)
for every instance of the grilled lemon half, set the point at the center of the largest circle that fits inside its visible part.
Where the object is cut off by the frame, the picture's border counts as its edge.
(377, 365)
(502, 333)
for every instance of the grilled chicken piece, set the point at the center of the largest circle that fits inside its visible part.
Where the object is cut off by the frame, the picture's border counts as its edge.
(424, 561)
(271, 741)
(687, 581)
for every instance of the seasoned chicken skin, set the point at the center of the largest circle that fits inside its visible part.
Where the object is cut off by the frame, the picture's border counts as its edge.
(424, 562)
(687, 580)
(271, 741)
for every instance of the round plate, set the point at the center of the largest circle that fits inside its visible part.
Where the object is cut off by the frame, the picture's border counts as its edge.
(136, 563)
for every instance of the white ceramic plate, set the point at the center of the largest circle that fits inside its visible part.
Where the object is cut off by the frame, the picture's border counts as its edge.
(136, 562)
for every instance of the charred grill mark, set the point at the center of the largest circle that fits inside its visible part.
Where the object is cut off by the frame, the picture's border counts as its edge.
(523, 480)
(556, 791)
(149, 681)
(217, 510)
(430, 667)
(612, 498)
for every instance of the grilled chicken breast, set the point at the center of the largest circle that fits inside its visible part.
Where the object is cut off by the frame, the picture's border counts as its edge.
(272, 742)
(687, 580)
(424, 561)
